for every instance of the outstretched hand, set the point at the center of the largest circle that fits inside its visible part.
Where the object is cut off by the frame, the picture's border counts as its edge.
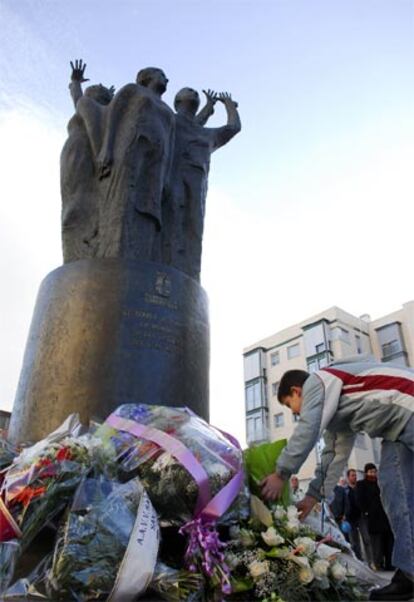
(78, 71)
(226, 99)
(272, 487)
(305, 506)
(211, 96)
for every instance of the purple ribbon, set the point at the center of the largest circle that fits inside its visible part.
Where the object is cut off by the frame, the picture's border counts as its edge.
(204, 541)
(203, 536)
(172, 446)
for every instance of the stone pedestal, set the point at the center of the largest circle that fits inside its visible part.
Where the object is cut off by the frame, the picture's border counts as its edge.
(110, 331)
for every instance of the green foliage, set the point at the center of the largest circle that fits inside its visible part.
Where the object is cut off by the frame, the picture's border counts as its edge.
(260, 461)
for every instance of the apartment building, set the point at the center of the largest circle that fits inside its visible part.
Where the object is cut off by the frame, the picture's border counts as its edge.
(310, 345)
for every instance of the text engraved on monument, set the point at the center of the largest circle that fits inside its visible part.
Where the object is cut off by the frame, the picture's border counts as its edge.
(148, 330)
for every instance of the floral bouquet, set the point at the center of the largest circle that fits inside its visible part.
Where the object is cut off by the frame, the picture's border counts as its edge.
(36, 488)
(108, 543)
(182, 461)
(275, 557)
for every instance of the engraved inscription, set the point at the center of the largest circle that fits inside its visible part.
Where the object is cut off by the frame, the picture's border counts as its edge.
(151, 331)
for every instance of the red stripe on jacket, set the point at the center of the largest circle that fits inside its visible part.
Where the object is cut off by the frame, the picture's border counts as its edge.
(372, 382)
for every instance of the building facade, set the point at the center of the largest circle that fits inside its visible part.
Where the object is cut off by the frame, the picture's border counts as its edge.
(310, 345)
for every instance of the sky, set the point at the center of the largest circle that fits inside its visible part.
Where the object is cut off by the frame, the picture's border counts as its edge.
(311, 205)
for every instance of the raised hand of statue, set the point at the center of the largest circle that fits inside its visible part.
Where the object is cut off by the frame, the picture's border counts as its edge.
(226, 99)
(78, 71)
(211, 96)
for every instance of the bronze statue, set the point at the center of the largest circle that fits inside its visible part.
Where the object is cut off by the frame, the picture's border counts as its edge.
(134, 173)
(78, 170)
(194, 144)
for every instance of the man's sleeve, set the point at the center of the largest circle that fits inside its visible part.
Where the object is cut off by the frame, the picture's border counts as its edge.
(306, 433)
(334, 457)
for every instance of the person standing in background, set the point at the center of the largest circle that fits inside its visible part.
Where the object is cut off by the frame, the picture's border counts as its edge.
(381, 538)
(353, 512)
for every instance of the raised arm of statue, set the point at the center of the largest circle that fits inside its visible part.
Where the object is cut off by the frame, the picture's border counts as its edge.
(77, 79)
(233, 127)
(115, 112)
(208, 109)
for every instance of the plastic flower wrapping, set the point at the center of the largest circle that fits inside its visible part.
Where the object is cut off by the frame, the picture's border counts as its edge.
(156, 456)
(153, 504)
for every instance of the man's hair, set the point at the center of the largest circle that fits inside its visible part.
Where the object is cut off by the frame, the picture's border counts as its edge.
(348, 472)
(369, 466)
(291, 378)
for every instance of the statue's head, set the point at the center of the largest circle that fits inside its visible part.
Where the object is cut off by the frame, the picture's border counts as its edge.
(153, 78)
(187, 100)
(100, 93)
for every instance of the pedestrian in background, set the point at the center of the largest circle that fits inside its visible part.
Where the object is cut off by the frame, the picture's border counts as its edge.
(353, 512)
(381, 538)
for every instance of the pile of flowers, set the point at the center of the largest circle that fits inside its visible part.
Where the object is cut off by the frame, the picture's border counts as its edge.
(274, 554)
(155, 499)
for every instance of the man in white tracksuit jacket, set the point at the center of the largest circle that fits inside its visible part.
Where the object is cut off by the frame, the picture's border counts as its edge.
(358, 395)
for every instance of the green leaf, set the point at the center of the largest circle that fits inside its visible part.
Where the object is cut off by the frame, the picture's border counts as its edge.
(241, 585)
(260, 461)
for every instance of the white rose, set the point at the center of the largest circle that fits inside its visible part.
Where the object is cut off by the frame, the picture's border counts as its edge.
(279, 513)
(272, 538)
(306, 575)
(326, 552)
(302, 561)
(293, 524)
(338, 571)
(307, 545)
(292, 512)
(320, 568)
(258, 569)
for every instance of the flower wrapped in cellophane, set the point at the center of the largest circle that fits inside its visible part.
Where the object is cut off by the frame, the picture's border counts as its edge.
(107, 545)
(41, 480)
(182, 461)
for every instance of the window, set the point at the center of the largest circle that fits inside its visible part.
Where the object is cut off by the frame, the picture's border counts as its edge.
(390, 348)
(320, 348)
(339, 333)
(312, 366)
(255, 427)
(293, 351)
(295, 417)
(323, 362)
(253, 396)
(275, 387)
(358, 343)
(278, 420)
(274, 358)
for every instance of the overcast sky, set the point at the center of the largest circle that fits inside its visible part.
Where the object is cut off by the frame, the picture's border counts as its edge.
(310, 206)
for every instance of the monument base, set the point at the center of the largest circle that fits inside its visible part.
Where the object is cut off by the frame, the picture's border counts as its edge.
(107, 332)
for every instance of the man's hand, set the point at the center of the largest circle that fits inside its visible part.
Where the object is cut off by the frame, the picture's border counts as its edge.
(305, 506)
(78, 70)
(226, 99)
(272, 487)
(211, 96)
